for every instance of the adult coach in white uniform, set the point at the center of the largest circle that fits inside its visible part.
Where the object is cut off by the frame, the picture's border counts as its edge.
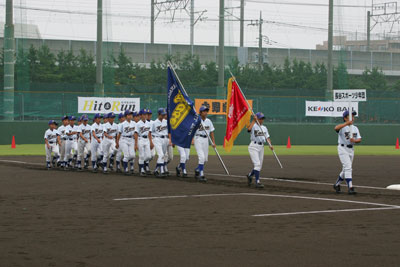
(159, 133)
(259, 136)
(144, 141)
(95, 145)
(201, 142)
(346, 144)
(63, 139)
(126, 141)
(51, 140)
(110, 131)
(84, 132)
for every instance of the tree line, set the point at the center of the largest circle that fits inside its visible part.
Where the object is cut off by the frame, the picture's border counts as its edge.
(41, 66)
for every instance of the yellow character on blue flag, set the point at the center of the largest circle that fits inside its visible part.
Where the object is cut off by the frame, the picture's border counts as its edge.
(183, 120)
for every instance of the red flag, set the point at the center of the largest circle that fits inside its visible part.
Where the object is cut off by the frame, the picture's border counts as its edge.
(238, 114)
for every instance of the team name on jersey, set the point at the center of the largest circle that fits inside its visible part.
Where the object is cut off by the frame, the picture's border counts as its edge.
(201, 128)
(161, 128)
(144, 129)
(347, 135)
(258, 133)
(98, 131)
(52, 136)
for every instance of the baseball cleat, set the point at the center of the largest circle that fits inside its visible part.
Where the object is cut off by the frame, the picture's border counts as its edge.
(58, 164)
(166, 173)
(249, 179)
(142, 174)
(119, 170)
(79, 169)
(178, 172)
(202, 179)
(184, 175)
(259, 185)
(196, 173)
(337, 188)
(352, 191)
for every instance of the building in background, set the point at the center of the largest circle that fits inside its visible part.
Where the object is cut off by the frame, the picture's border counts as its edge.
(341, 43)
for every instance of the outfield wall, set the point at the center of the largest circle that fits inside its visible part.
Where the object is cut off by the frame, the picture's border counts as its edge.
(300, 134)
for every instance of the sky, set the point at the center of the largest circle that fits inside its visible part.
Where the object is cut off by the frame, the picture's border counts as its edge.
(288, 23)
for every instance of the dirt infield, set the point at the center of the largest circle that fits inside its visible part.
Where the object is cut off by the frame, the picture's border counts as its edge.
(58, 218)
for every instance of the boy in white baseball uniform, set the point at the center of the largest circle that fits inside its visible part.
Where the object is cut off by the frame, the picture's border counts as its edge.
(110, 130)
(201, 142)
(159, 133)
(149, 114)
(63, 140)
(126, 141)
(84, 133)
(184, 157)
(51, 140)
(118, 157)
(169, 156)
(259, 136)
(143, 141)
(97, 136)
(71, 145)
(348, 136)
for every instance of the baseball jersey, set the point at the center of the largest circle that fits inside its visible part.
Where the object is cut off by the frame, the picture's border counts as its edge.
(127, 129)
(85, 130)
(98, 130)
(71, 129)
(259, 134)
(51, 135)
(143, 128)
(110, 129)
(344, 135)
(61, 132)
(208, 126)
(159, 128)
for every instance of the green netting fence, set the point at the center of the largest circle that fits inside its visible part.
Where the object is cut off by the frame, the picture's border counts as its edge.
(280, 106)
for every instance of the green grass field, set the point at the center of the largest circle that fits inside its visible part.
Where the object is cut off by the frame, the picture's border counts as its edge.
(6, 150)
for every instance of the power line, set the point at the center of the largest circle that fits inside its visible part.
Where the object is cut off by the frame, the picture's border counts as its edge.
(302, 4)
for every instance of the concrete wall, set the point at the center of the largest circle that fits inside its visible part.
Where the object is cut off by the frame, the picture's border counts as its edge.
(355, 61)
(312, 134)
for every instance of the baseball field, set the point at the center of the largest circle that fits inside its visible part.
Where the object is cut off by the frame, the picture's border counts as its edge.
(67, 218)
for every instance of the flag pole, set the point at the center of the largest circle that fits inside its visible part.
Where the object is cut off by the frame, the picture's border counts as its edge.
(209, 138)
(252, 112)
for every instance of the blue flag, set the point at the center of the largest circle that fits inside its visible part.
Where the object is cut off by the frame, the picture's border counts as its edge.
(183, 121)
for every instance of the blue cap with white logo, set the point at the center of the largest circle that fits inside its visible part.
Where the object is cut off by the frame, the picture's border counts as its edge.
(204, 108)
(120, 115)
(52, 122)
(149, 111)
(105, 116)
(85, 117)
(142, 111)
(260, 115)
(162, 111)
(64, 118)
(128, 112)
(96, 116)
(135, 114)
(346, 113)
(111, 115)
(72, 118)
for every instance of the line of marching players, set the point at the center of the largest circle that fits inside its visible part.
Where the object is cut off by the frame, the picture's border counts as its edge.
(106, 145)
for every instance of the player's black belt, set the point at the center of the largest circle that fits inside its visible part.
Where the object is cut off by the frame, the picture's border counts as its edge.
(258, 143)
(51, 143)
(64, 138)
(201, 135)
(70, 139)
(144, 136)
(162, 136)
(349, 146)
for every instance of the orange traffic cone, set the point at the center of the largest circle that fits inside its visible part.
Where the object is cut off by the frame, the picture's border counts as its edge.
(289, 145)
(397, 144)
(13, 142)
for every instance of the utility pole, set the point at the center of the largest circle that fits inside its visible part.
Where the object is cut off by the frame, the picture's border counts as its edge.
(221, 64)
(191, 25)
(152, 23)
(329, 87)
(260, 40)
(368, 30)
(241, 23)
(99, 90)
(9, 62)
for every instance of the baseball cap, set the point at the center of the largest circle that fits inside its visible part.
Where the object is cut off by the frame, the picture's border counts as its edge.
(64, 118)
(111, 115)
(260, 115)
(162, 111)
(52, 122)
(105, 116)
(149, 111)
(142, 111)
(120, 115)
(128, 112)
(72, 118)
(96, 116)
(135, 114)
(346, 113)
(85, 118)
(204, 108)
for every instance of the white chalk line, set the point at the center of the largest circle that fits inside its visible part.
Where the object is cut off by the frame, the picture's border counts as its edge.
(21, 162)
(255, 194)
(321, 211)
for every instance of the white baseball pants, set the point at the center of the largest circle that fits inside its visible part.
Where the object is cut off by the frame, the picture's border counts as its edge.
(256, 152)
(108, 147)
(144, 150)
(201, 145)
(83, 149)
(95, 149)
(160, 146)
(346, 156)
(127, 146)
(53, 149)
(62, 149)
(71, 148)
(184, 154)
